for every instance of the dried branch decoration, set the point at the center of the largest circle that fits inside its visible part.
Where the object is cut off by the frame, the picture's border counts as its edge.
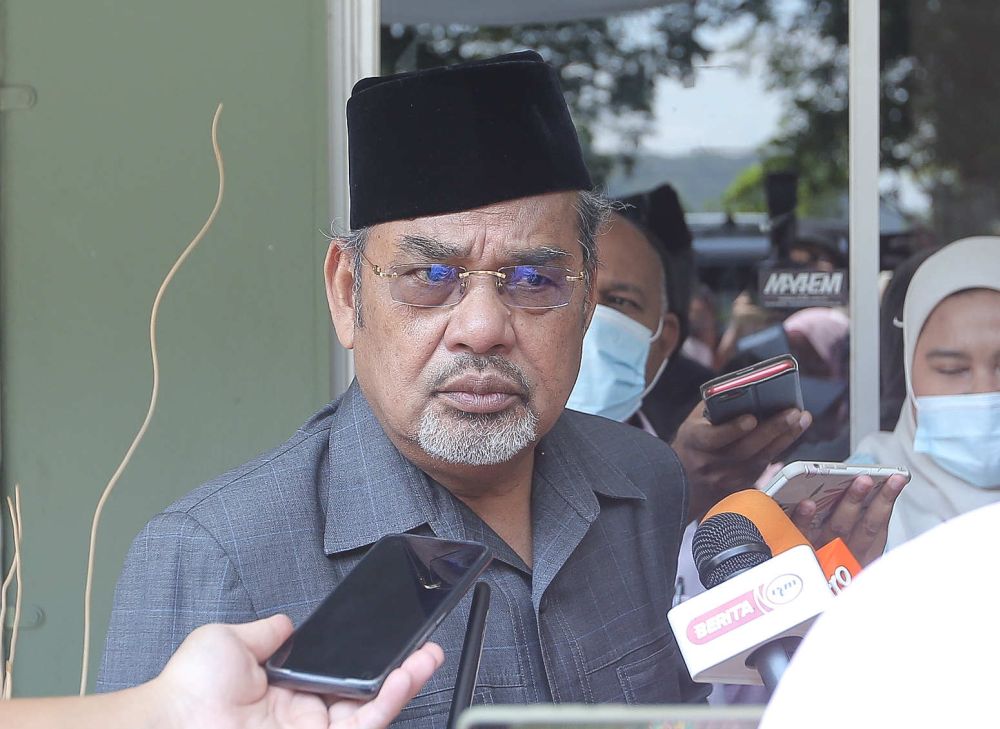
(13, 573)
(152, 400)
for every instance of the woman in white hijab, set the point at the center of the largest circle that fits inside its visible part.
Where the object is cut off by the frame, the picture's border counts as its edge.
(948, 433)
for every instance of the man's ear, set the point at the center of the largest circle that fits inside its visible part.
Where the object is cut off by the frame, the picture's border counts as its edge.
(339, 275)
(670, 337)
(664, 345)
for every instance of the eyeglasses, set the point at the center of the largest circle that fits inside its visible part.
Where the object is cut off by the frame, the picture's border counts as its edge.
(441, 284)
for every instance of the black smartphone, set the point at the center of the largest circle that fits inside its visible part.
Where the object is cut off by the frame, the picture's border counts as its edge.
(385, 608)
(762, 390)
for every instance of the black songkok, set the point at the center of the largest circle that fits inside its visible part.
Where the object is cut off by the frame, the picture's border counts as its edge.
(459, 137)
(658, 213)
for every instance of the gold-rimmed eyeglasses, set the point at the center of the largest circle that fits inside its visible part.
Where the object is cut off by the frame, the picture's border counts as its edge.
(525, 286)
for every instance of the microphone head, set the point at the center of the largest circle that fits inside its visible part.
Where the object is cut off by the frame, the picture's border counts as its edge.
(726, 545)
(778, 531)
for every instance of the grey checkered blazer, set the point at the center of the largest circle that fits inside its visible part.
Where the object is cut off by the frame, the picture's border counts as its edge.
(585, 624)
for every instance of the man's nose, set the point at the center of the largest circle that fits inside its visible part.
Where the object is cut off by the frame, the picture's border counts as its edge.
(481, 323)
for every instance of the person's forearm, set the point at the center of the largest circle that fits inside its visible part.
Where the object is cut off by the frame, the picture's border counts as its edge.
(128, 709)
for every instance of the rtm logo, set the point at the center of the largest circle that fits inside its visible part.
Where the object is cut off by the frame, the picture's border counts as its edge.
(783, 589)
(812, 283)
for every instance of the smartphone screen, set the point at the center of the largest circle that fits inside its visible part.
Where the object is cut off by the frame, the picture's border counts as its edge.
(399, 591)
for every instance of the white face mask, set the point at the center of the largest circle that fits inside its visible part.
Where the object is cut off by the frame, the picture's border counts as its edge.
(961, 433)
(612, 379)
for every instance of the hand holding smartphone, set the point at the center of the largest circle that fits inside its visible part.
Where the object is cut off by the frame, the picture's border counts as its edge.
(761, 390)
(386, 608)
(824, 483)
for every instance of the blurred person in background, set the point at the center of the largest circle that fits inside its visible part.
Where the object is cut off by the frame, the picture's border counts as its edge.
(746, 318)
(948, 433)
(703, 319)
(646, 275)
(819, 339)
(816, 251)
(629, 355)
(634, 330)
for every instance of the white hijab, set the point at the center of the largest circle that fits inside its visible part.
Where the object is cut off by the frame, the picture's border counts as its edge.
(933, 495)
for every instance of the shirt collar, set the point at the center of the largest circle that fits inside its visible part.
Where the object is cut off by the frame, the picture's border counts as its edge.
(572, 458)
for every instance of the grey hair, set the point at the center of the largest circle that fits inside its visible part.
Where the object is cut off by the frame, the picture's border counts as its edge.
(593, 211)
(353, 243)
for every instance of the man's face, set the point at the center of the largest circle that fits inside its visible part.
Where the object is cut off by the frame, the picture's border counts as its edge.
(630, 280)
(477, 382)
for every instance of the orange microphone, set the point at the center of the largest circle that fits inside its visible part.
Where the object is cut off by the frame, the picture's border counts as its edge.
(780, 534)
(770, 519)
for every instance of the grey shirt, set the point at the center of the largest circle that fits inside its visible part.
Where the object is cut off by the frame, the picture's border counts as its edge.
(587, 623)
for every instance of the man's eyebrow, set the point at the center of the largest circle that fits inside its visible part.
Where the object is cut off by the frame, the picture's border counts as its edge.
(622, 286)
(538, 256)
(429, 248)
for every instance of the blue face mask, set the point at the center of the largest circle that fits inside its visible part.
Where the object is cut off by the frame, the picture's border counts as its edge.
(961, 433)
(612, 379)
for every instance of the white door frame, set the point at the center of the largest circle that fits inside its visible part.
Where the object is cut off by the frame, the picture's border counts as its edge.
(352, 41)
(863, 96)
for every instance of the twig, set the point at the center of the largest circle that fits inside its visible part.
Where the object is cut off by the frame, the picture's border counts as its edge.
(16, 628)
(152, 400)
(14, 507)
(3, 603)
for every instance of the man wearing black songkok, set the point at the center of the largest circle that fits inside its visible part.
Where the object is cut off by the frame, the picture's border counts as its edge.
(659, 215)
(464, 290)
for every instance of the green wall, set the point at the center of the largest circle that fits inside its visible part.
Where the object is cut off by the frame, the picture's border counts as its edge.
(102, 183)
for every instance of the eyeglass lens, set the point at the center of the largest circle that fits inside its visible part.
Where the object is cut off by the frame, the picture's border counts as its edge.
(439, 284)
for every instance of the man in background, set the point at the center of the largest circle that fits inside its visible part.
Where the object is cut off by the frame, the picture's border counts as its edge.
(626, 355)
(632, 370)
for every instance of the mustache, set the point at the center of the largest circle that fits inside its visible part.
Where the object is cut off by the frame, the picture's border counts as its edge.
(464, 363)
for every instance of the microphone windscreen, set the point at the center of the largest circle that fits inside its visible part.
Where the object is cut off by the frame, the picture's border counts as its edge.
(726, 545)
(777, 529)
